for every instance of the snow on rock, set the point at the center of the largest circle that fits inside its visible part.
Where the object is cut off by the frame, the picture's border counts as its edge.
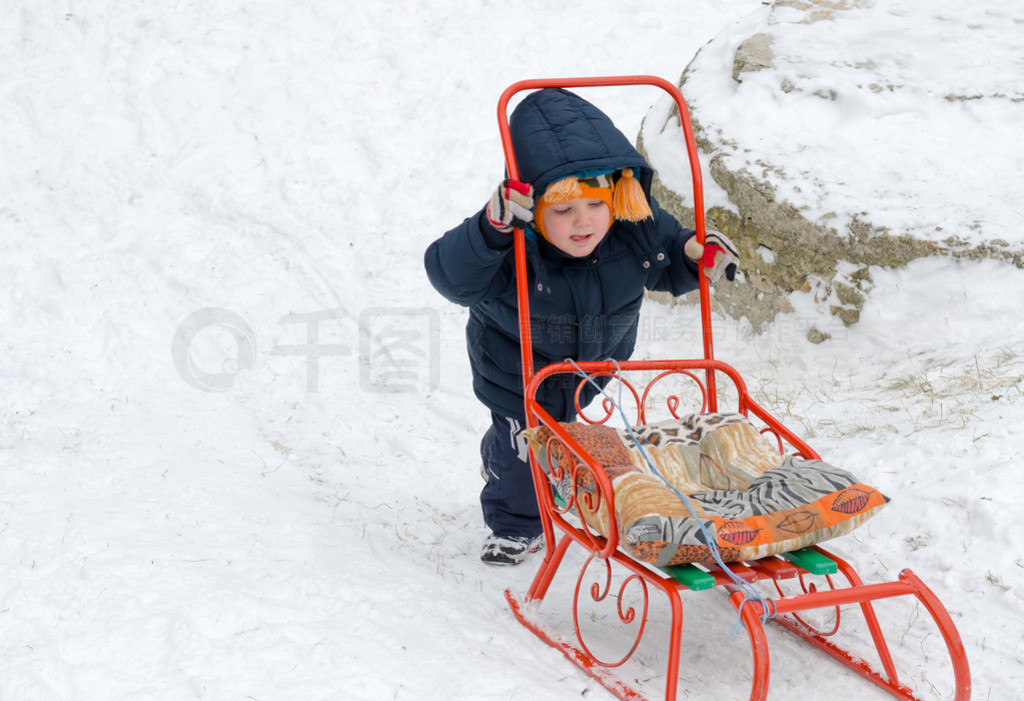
(867, 131)
(904, 112)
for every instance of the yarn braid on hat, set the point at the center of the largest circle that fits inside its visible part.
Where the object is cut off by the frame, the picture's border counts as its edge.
(621, 191)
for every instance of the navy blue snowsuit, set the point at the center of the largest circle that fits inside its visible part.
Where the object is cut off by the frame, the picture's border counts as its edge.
(580, 308)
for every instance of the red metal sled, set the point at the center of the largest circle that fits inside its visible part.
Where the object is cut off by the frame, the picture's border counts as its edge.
(809, 571)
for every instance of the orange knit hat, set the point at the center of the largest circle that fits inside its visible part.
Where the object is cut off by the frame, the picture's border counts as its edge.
(625, 198)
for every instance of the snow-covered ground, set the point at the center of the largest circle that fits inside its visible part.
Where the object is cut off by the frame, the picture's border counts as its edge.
(247, 520)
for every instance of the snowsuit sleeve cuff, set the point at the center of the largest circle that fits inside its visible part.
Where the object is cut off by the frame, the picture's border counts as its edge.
(492, 238)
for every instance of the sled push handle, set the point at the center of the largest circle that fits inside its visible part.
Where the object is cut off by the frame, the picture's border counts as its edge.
(522, 288)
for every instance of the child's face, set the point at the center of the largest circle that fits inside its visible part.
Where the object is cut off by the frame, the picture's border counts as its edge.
(577, 226)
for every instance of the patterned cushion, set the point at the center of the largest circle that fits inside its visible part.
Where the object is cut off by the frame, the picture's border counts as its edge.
(754, 500)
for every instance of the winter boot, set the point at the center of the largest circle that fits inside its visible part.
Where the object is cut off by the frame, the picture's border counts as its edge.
(509, 550)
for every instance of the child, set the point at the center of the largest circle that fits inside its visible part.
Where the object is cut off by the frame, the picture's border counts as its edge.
(595, 240)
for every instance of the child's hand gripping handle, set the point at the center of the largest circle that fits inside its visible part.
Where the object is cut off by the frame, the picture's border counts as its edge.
(718, 255)
(511, 206)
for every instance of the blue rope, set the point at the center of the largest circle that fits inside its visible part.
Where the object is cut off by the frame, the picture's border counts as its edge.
(750, 593)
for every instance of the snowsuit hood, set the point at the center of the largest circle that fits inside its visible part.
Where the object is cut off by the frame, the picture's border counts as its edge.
(556, 133)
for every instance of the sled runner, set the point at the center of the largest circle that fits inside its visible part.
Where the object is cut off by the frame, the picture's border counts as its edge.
(691, 499)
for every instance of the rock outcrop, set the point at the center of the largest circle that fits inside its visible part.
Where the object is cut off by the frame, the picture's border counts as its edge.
(784, 247)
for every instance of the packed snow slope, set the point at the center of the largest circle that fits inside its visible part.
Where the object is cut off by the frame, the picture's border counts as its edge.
(238, 448)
